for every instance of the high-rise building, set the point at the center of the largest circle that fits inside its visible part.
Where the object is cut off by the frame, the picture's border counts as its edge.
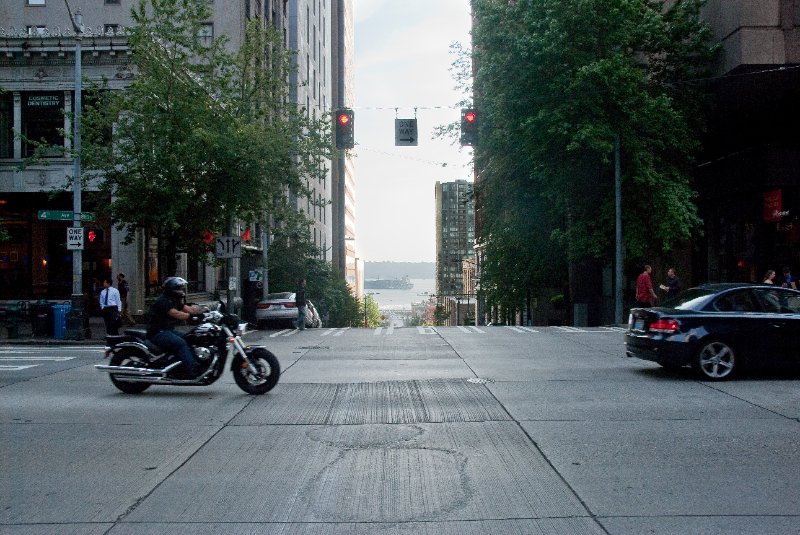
(343, 195)
(37, 80)
(455, 235)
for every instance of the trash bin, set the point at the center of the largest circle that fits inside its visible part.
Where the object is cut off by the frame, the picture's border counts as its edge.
(13, 319)
(42, 318)
(60, 320)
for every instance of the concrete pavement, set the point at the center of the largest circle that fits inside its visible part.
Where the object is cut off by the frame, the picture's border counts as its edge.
(492, 430)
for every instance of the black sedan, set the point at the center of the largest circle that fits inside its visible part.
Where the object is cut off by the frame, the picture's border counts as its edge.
(719, 329)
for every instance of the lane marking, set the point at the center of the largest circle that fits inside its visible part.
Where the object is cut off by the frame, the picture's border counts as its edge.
(8, 368)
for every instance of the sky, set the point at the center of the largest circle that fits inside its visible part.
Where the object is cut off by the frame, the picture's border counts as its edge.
(402, 60)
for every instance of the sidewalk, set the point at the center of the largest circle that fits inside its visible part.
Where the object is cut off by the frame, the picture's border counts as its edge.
(26, 337)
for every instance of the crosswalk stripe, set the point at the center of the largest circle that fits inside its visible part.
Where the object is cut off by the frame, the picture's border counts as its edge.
(390, 330)
(463, 329)
(378, 331)
(328, 332)
(515, 329)
(273, 335)
(49, 359)
(529, 329)
(341, 331)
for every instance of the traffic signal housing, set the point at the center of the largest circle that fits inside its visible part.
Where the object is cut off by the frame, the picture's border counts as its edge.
(469, 127)
(344, 129)
(95, 236)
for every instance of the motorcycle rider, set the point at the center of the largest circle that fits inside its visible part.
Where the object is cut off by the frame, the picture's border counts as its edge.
(164, 314)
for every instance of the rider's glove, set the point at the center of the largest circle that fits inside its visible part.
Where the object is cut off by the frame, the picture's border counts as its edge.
(196, 318)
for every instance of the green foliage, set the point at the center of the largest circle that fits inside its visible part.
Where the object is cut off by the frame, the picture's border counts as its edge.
(202, 136)
(293, 256)
(372, 317)
(556, 81)
(440, 315)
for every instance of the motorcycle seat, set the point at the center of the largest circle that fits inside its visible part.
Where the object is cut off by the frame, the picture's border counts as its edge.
(138, 333)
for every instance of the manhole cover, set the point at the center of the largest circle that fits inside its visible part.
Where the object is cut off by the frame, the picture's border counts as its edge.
(479, 380)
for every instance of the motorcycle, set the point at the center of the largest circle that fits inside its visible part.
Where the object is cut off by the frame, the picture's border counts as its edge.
(136, 363)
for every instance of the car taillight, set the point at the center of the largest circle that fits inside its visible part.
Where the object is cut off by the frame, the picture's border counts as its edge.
(665, 326)
(262, 305)
(289, 305)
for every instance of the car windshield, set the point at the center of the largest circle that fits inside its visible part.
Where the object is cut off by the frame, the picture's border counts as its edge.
(278, 296)
(690, 299)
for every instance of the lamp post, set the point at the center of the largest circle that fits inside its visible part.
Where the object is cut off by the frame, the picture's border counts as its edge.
(77, 255)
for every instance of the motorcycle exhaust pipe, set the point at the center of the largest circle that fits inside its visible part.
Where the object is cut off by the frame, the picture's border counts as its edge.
(137, 372)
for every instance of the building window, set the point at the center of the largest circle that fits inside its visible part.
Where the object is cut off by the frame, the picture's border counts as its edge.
(110, 29)
(36, 31)
(206, 34)
(6, 125)
(43, 123)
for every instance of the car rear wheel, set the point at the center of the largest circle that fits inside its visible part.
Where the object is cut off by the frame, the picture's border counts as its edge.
(715, 360)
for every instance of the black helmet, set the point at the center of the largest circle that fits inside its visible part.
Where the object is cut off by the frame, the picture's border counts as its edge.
(175, 286)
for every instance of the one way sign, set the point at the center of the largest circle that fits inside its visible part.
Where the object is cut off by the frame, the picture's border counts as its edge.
(229, 247)
(405, 132)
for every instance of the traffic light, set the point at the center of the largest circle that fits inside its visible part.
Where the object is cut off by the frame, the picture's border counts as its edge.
(94, 236)
(469, 127)
(344, 129)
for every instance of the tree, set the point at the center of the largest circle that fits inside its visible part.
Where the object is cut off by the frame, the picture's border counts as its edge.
(202, 136)
(555, 82)
(370, 313)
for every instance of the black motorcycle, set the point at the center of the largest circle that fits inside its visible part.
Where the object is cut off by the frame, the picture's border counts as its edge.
(136, 363)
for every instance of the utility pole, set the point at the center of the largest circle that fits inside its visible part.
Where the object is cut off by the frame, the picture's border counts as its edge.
(618, 231)
(77, 255)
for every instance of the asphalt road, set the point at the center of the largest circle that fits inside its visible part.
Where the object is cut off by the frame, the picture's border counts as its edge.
(455, 430)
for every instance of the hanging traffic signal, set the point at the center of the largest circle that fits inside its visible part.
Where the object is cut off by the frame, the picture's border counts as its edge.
(344, 129)
(469, 127)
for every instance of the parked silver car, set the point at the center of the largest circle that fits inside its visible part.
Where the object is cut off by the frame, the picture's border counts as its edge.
(279, 309)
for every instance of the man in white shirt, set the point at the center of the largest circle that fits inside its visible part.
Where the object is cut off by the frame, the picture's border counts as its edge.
(110, 307)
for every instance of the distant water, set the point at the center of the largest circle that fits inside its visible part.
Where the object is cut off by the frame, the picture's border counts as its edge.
(398, 299)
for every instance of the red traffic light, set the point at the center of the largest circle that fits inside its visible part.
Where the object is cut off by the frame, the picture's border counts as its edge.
(91, 235)
(470, 116)
(344, 118)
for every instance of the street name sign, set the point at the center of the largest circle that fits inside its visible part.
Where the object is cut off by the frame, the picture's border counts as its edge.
(405, 132)
(229, 247)
(63, 215)
(74, 238)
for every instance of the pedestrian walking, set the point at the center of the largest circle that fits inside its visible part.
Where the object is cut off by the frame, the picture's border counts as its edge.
(768, 276)
(124, 288)
(788, 280)
(300, 303)
(645, 295)
(110, 307)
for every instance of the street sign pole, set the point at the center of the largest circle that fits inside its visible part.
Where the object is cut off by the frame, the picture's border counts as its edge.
(77, 331)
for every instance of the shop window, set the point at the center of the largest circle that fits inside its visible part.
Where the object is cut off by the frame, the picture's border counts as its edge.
(43, 123)
(6, 125)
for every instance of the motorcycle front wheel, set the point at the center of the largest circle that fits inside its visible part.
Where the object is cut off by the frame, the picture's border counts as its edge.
(128, 357)
(260, 380)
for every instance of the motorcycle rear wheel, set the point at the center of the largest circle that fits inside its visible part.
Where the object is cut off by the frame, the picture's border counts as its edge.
(128, 357)
(265, 378)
